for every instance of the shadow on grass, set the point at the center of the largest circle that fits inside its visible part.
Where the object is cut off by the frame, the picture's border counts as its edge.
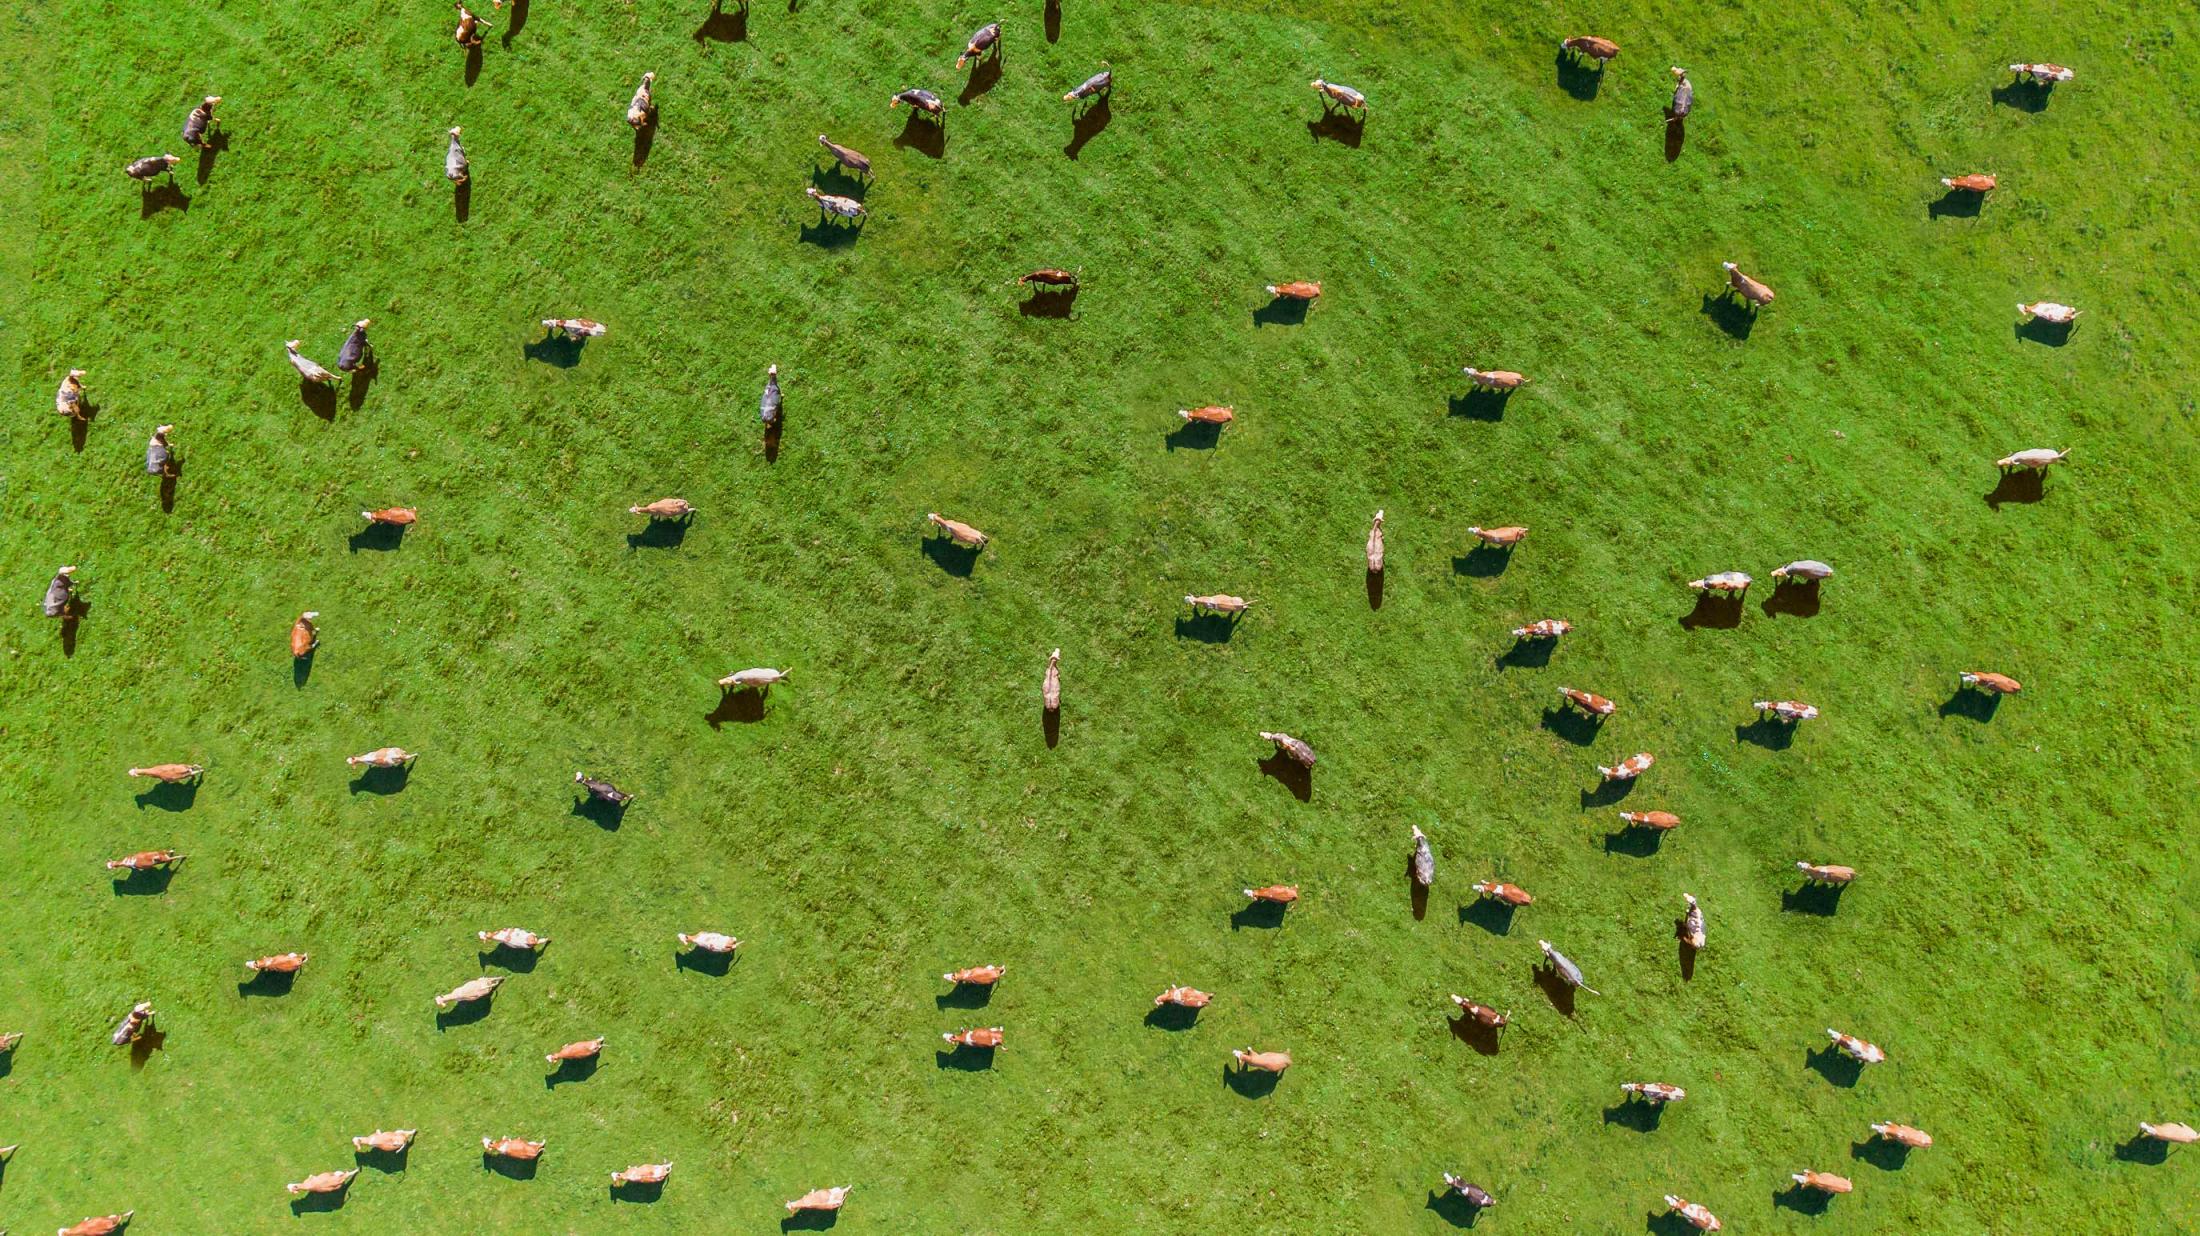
(318, 397)
(1575, 727)
(1676, 135)
(1634, 1114)
(984, 76)
(1374, 590)
(571, 1071)
(642, 1192)
(318, 1203)
(1052, 16)
(515, 960)
(2039, 330)
(1730, 313)
(745, 705)
(1339, 126)
(1719, 613)
(957, 560)
(810, 1221)
(703, 961)
(72, 617)
(1823, 900)
(965, 996)
(1668, 1223)
(1172, 1017)
(509, 1168)
(1208, 628)
(1264, 915)
(1087, 125)
(210, 150)
(2022, 487)
(1687, 952)
(1580, 77)
(170, 477)
(963, 1059)
(1801, 1200)
(151, 882)
(1482, 562)
(164, 197)
(837, 180)
(645, 139)
(382, 780)
(1771, 733)
(80, 426)
(773, 433)
(1490, 914)
(473, 64)
(1886, 1154)
(1829, 1063)
(1452, 1208)
(1555, 988)
(1281, 311)
(384, 1161)
(268, 983)
(1956, 204)
(604, 815)
(2143, 1149)
(1057, 304)
(462, 199)
(660, 534)
(1634, 841)
(1794, 598)
(170, 796)
(464, 1014)
(559, 351)
(301, 668)
(1527, 654)
(923, 134)
(1050, 726)
(1481, 1038)
(2025, 96)
(141, 1050)
(1606, 793)
(378, 537)
(1294, 776)
(1979, 706)
(1250, 1083)
(1479, 404)
(515, 16)
(723, 27)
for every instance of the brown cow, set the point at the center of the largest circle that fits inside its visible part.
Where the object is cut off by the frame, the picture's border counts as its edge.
(278, 963)
(1903, 1134)
(1502, 538)
(1756, 294)
(976, 976)
(2172, 1132)
(102, 1225)
(984, 1038)
(1601, 50)
(170, 774)
(641, 110)
(844, 156)
(304, 636)
(1826, 873)
(144, 860)
(1543, 628)
(1495, 379)
(394, 516)
(1482, 1014)
(1213, 414)
(583, 1049)
(1219, 603)
(1589, 702)
(1991, 683)
(1824, 1182)
(469, 991)
(1976, 182)
(664, 508)
(68, 400)
(1510, 894)
(1300, 289)
(1280, 894)
(1290, 746)
(1660, 820)
(470, 30)
(642, 1174)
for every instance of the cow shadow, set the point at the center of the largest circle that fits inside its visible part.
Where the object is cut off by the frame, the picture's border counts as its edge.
(1801, 1200)
(1607, 793)
(72, 617)
(142, 1048)
(645, 139)
(268, 983)
(1261, 915)
(209, 150)
(384, 1161)
(1482, 562)
(837, 180)
(1575, 727)
(1087, 124)
(318, 397)
(1194, 436)
(1823, 900)
(1416, 892)
(723, 27)
(1884, 1153)
(509, 1168)
(1339, 125)
(462, 199)
(301, 668)
(703, 961)
(1676, 135)
(924, 135)
(1555, 988)
(571, 1071)
(957, 560)
(1730, 313)
(1768, 732)
(170, 795)
(1795, 598)
(2024, 487)
(473, 64)
(1527, 653)
(382, 781)
(1282, 311)
(1374, 590)
(515, 16)
(1956, 204)
(1977, 705)
(1483, 1039)
(1668, 1223)
(1829, 1063)
(2025, 96)
(1634, 841)
(810, 1220)
(1717, 612)
(2040, 330)
(773, 433)
(513, 960)
(965, 996)
(2143, 1149)
(1249, 1083)
(984, 75)
(964, 1059)
(361, 379)
(318, 1203)
(743, 704)
(1580, 77)
(1452, 1208)
(1057, 303)
(150, 882)
(1294, 776)
(463, 1014)
(162, 197)
(80, 426)
(1635, 1114)
(641, 1191)
(1172, 1017)
(1208, 628)
(1687, 952)
(604, 815)
(1479, 404)
(1490, 914)
(1050, 725)
(556, 349)
(660, 534)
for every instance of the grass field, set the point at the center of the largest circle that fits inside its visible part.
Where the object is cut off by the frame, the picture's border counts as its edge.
(2023, 938)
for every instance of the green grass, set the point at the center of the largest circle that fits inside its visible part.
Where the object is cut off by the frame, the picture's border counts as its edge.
(2022, 940)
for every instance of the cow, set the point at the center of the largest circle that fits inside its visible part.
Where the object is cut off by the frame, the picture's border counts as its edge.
(2042, 74)
(923, 101)
(1299, 289)
(322, 1182)
(383, 757)
(1050, 686)
(384, 1141)
(987, 38)
(1684, 95)
(1657, 1094)
(1051, 277)
(144, 170)
(770, 403)
(455, 163)
(1482, 1014)
(1807, 570)
(1341, 96)
(583, 1049)
(469, 991)
(1823, 1182)
(957, 531)
(201, 118)
(1990, 682)
(1424, 859)
(1565, 968)
(353, 355)
(1500, 538)
(1752, 292)
(1794, 712)
(1856, 1049)
(1663, 821)
(1691, 929)
(1510, 894)
(1293, 747)
(641, 110)
(1601, 50)
(1725, 583)
(513, 938)
(310, 370)
(1495, 379)
(1543, 628)
(170, 774)
(1977, 182)
(145, 860)
(1277, 894)
(664, 508)
(1826, 873)
(9, 1040)
(1184, 997)
(68, 400)
(1903, 1134)
(471, 29)
(1589, 702)
(846, 157)
(133, 1023)
(1474, 1195)
(574, 328)
(1213, 414)
(820, 1199)
(99, 1225)
(983, 1038)
(2038, 459)
(835, 205)
(1628, 769)
(2171, 1132)
(761, 678)
(393, 516)
(278, 963)
(512, 1148)
(1099, 83)
(1375, 545)
(2049, 311)
(642, 1174)
(1218, 603)
(1265, 1061)
(603, 791)
(707, 941)
(975, 976)
(1693, 1212)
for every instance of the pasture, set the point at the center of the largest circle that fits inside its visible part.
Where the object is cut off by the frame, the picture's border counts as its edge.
(2022, 939)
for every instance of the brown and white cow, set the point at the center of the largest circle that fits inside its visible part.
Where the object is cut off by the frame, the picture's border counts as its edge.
(1601, 50)
(1628, 769)
(957, 531)
(304, 636)
(512, 1147)
(1694, 1213)
(1826, 873)
(642, 1174)
(1298, 289)
(1184, 997)
(1753, 292)
(1823, 1182)
(975, 976)
(1265, 1061)
(1589, 702)
(1990, 682)
(1481, 1014)
(1976, 182)
(707, 941)
(170, 774)
(1859, 1050)
(1502, 538)
(278, 963)
(1663, 821)
(1510, 894)
(984, 1038)
(1903, 1134)
(1218, 603)
(2039, 459)
(1278, 894)
(1654, 1093)
(514, 938)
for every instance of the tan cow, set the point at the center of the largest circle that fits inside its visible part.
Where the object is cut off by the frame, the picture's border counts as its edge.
(385, 1141)
(9, 1040)
(322, 1182)
(395, 516)
(2172, 1132)
(820, 1199)
(976, 976)
(1502, 538)
(1279, 894)
(957, 531)
(583, 1049)
(1903, 1134)
(984, 1038)
(1601, 50)
(847, 158)
(304, 636)
(1050, 684)
(1754, 293)
(278, 963)
(170, 774)
(144, 860)
(512, 1147)
(757, 679)
(1218, 603)
(1663, 821)
(383, 757)
(2038, 459)
(1184, 997)
(1265, 1061)
(1826, 873)
(1824, 1182)
(102, 1225)
(1300, 289)
(308, 369)
(2049, 311)
(1375, 544)
(1495, 379)
(1213, 414)
(664, 508)
(469, 991)
(642, 1174)
(1510, 894)
(708, 941)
